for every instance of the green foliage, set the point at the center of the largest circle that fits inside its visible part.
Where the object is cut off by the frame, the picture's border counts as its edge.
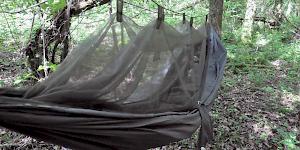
(1, 83)
(256, 77)
(49, 65)
(287, 139)
(54, 5)
(16, 4)
(23, 78)
(268, 89)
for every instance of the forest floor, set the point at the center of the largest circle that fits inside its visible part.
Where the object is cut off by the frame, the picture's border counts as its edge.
(258, 109)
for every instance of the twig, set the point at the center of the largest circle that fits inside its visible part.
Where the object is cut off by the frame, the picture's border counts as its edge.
(81, 15)
(79, 22)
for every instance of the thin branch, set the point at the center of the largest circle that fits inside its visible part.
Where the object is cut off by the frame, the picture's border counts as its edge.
(23, 10)
(43, 18)
(191, 5)
(9, 27)
(140, 7)
(174, 12)
(32, 24)
(86, 5)
(79, 22)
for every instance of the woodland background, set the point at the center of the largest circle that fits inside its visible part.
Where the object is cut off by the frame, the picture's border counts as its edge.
(258, 106)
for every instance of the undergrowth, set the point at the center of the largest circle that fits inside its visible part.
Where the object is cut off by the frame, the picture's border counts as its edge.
(268, 69)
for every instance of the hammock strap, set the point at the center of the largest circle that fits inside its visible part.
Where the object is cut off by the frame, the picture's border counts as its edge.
(206, 130)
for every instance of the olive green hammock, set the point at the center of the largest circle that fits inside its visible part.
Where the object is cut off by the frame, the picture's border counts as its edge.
(125, 87)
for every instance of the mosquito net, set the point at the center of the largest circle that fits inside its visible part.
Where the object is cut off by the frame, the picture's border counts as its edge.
(124, 87)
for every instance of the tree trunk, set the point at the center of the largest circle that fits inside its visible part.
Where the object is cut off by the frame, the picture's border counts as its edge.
(57, 32)
(66, 32)
(215, 14)
(278, 12)
(297, 5)
(289, 9)
(248, 21)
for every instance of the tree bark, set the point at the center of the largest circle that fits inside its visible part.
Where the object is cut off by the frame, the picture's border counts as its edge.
(289, 8)
(248, 21)
(297, 5)
(278, 12)
(215, 14)
(57, 32)
(66, 32)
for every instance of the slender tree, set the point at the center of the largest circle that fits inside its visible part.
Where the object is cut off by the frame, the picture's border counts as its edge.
(248, 21)
(297, 5)
(215, 14)
(278, 12)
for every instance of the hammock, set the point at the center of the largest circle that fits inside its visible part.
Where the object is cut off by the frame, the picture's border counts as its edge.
(125, 87)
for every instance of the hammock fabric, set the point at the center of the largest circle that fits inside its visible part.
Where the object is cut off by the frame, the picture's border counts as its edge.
(126, 87)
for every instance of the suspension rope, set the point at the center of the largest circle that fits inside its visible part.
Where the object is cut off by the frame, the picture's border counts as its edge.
(170, 11)
(138, 6)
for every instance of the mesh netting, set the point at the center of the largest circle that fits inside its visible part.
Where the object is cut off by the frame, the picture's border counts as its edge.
(154, 68)
(125, 87)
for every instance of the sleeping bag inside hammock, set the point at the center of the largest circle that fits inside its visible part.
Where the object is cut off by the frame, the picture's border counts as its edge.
(125, 87)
